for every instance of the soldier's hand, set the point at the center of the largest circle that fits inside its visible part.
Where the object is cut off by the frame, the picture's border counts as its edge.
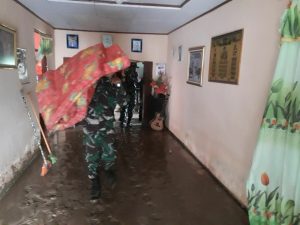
(115, 80)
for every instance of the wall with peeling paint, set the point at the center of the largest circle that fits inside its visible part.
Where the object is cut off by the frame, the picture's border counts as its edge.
(16, 136)
(219, 122)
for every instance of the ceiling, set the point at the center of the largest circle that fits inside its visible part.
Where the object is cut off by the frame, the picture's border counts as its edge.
(128, 16)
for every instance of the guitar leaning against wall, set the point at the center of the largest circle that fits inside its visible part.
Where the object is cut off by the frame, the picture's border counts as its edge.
(160, 86)
(157, 123)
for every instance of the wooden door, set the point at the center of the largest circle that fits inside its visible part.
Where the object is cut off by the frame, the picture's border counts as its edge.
(147, 79)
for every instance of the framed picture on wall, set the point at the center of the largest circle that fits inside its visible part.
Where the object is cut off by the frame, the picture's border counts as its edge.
(72, 41)
(195, 62)
(8, 57)
(160, 69)
(107, 40)
(225, 57)
(136, 45)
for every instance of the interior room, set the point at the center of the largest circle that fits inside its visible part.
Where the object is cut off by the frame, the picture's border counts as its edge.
(212, 137)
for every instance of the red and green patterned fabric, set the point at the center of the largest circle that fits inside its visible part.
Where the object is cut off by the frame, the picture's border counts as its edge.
(64, 94)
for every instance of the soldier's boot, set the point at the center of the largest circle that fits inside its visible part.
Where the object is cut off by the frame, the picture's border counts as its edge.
(95, 189)
(122, 115)
(111, 178)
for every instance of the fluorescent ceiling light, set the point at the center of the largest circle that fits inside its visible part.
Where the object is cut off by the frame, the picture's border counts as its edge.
(117, 4)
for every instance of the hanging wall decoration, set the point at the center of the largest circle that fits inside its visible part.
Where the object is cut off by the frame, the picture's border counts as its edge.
(196, 63)
(160, 69)
(225, 56)
(22, 65)
(136, 45)
(107, 40)
(179, 53)
(72, 41)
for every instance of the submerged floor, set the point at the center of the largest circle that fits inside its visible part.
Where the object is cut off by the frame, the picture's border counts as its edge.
(159, 183)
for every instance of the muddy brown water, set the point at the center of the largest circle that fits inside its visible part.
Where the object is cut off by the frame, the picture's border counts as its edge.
(159, 183)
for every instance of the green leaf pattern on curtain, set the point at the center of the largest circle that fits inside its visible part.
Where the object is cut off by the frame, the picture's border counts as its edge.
(269, 208)
(46, 46)
(273, 186)
(290, 23)
(283, 107)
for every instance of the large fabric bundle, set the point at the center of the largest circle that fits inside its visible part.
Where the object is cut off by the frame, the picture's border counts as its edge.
(64, 94)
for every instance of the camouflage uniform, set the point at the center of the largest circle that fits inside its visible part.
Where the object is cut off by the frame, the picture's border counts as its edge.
(98, 128)
(130, 84)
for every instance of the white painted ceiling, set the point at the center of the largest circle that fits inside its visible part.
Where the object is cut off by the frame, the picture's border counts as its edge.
(133, 16)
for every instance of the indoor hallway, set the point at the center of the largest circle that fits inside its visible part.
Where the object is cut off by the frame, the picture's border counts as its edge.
(159, 183)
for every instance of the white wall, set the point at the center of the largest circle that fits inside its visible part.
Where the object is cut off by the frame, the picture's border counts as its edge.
(16, 136)
(218, 122)
(154, 46)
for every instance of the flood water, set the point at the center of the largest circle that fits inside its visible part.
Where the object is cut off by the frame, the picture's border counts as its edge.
(158, 183)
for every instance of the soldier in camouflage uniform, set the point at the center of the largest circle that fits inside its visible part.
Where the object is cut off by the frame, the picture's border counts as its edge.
(130, 84)
(99, 132)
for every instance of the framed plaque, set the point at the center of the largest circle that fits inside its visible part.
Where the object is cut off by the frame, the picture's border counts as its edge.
(225, 57)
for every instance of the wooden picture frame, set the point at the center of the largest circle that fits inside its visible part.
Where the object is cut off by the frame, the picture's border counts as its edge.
(136, 45)
(196, 64)
(8, 39)
(72, 41)
(225, 57)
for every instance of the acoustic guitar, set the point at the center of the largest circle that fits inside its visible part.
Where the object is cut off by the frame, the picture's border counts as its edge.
(157, 123)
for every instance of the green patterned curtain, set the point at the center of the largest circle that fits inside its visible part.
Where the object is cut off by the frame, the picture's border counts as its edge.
(273, 186)
(46, 46)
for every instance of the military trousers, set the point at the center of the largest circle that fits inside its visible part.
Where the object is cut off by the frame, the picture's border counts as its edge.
(100, 150)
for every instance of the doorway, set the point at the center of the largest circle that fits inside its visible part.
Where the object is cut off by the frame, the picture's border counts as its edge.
(146, 93)
(139, 104)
